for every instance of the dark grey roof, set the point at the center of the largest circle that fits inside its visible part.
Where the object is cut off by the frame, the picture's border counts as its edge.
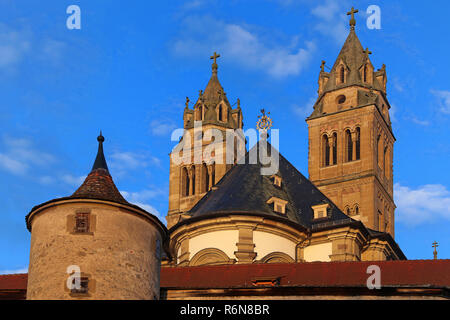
(244, 190)
(100, 161)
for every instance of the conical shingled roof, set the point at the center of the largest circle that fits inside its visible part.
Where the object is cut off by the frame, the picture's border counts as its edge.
(99, 183)
(243, 190)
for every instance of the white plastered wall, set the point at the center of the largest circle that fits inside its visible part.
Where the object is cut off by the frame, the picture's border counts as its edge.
(266, 243)
(224, 240)
(318, 252)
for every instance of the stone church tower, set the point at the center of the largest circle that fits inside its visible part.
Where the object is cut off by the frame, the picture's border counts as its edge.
(94, 244)
(350, 137)
(205, 133)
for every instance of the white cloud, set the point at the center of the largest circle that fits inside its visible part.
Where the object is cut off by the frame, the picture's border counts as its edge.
(419, 121)
(393, 112)
(122, 162)
(424, 204)
(46, 180)
(13, 46)
(19, 155)
(141, 199)
(333, 21)
(14, 271)
(73, 180)
(305, 110)
(444, 99)
(203, 35)
(52, 50)
(12, 165)
(161, 127)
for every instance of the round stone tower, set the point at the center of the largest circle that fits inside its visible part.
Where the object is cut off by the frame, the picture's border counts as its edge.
(94, 244)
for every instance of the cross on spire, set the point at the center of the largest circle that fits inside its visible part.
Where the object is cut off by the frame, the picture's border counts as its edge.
(352, 20)
(215, 56)
(435, 245)
(366, 53)
(214, 65)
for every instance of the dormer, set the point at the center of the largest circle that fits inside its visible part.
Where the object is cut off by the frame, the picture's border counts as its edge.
(279, 205)
(320, 210)
(276, 179)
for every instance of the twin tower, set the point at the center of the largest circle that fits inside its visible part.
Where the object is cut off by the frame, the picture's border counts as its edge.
(96, 245)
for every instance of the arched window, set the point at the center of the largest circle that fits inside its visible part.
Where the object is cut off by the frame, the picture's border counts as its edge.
(201, 113)
(193, 180)
(335, 148)
(358, 143)
(326, 150)
(349, 145)
(205, 175)
(347, 211)
(342, 74)
(385, 162)
(220, 113)
(356, 210)
(185, 182)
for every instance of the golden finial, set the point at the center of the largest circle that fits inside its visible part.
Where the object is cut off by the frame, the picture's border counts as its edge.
(435, 245)
(187, 102)
(265, 122)
(352, 20)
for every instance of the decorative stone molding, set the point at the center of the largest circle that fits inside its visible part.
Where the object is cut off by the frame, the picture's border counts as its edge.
(210, 256)
(276, 257)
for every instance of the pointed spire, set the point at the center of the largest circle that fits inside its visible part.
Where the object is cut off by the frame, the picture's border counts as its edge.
(100, 162)
(213, 91)
(99, 183)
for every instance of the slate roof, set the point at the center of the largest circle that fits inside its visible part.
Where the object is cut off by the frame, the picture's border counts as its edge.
(243, 190)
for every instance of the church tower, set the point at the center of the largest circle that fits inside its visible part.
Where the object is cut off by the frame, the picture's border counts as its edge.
(207, 159)
(350, 137)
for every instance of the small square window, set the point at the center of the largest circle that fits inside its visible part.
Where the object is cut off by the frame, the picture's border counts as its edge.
(84, 286)
(320, 210)
(277, 180)
(279, 205)
(82, 223)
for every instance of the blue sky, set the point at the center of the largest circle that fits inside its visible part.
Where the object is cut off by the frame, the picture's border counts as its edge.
(130, 67)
